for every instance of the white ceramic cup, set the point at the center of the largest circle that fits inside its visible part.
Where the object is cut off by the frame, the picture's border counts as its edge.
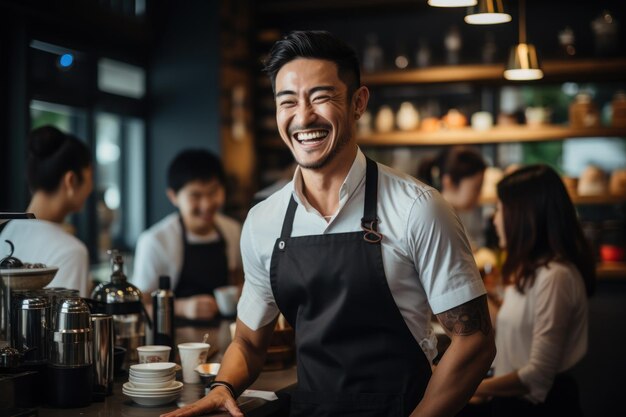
(482, 120)
(192, 354)
(226, 298)
(153, 353)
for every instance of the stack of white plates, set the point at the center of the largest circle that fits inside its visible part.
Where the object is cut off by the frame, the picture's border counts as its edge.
(153, 383)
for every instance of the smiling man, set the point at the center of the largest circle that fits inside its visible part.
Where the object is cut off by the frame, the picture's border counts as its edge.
(354, 255)
(198, 247)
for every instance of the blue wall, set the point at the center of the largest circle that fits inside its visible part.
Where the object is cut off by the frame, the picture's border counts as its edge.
(184, 90)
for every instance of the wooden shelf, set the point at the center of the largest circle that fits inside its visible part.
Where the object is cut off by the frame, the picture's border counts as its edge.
(281, 8)
(470, 136)
(580, 200)
(599, 69)
(611, 270)
(599, 199)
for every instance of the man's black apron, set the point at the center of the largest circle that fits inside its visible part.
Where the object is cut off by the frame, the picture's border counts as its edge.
(355, 354)
(205, 267)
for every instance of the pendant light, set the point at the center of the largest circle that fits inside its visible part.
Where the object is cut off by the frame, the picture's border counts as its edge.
(487, 12)
(452, 3)
(523, 63)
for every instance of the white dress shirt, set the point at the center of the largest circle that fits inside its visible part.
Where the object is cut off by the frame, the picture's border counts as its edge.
(426, 256)
(543, 331)
(160, 250)
(41, 241)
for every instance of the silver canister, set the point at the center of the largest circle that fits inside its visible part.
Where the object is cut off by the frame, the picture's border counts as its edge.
(30, 318)
(70, 366)
(71, 336)
(103, 339)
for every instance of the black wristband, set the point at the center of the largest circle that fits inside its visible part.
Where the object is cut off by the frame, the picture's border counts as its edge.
(224, 384)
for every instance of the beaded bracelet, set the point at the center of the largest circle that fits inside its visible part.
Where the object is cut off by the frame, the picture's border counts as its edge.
(224, 384)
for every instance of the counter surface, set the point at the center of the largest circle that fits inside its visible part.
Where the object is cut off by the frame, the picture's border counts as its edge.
(120, 405)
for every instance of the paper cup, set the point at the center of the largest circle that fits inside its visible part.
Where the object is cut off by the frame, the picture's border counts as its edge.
(226, 299)
(153, 353)
(191, 355)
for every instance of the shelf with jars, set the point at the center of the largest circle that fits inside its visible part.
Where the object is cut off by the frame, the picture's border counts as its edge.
(498, 134)
(554, 70)
(611, 270)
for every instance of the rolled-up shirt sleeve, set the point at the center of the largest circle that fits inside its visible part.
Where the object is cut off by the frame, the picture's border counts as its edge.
(553, 302)
(147, 265)
(256, 306)
(441, 253)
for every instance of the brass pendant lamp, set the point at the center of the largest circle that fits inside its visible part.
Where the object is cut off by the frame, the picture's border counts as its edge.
(523, 63)
(452, 3)
(487, 12)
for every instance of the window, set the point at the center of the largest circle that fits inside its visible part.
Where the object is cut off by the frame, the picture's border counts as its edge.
(122, 79)
(120, 179)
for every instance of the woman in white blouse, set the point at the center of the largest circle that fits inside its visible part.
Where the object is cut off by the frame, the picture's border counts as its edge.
(549, 272)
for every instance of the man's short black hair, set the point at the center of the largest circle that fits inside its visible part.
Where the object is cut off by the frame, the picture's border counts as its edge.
(315, 44)
(194, 165)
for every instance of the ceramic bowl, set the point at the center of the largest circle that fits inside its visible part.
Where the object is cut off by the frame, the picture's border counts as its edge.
(208, 372)
(27, 278)
(151, 385)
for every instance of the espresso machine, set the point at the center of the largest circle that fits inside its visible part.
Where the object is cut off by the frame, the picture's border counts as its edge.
(46, 337)
(25, 314)
(122, 300)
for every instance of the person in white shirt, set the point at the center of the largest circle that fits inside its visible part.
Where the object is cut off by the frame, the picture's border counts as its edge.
(60, 180)
(542, 324)
(197, 247)
(354, 255)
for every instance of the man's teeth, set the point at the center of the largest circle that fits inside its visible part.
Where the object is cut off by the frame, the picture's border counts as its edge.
(311, 135)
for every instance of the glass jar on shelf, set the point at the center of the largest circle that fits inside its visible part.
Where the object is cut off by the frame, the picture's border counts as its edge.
(583, 112)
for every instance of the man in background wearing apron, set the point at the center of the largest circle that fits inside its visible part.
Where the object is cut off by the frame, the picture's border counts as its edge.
(197, 246)
(355, 255)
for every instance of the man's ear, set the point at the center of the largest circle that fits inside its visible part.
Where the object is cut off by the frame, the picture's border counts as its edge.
(361, 98)
(171, 195)
(447, 183)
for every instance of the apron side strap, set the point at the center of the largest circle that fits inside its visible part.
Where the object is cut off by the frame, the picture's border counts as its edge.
(369, 222)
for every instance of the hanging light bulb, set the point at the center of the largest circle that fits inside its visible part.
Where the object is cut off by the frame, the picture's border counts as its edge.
(523, 63)
(487, 12)
(452, 3)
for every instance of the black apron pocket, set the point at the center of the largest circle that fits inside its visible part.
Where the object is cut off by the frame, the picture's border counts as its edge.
(330, 404)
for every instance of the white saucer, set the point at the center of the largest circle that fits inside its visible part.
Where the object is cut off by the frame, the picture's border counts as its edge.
(175, 386)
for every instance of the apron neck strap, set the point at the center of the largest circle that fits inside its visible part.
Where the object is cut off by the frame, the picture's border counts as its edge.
(288, 222)
(371, 193)
(369, 222)
(184, 230)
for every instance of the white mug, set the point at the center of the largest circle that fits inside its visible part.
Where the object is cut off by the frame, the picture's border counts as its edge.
(153, 353)
(226, 299)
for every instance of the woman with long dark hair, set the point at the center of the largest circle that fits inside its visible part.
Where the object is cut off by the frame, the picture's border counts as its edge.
(549, 273)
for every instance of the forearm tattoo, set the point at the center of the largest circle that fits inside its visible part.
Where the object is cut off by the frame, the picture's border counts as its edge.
(467, 318)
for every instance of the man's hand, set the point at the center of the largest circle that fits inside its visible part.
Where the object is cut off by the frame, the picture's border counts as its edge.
(198, 307)
(218, 399)
(242, 363)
